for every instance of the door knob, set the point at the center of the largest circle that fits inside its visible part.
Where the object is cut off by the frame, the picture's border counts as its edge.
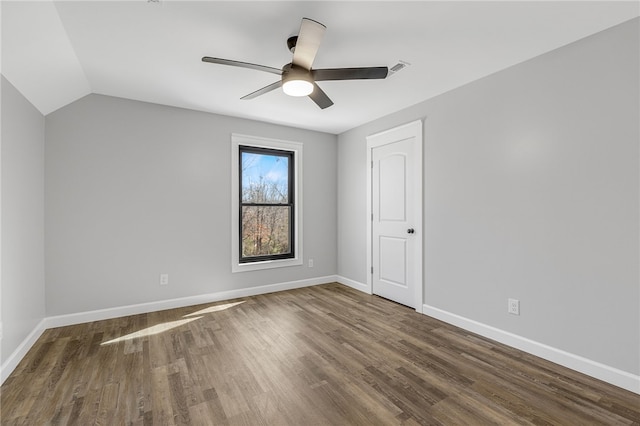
(410, 231)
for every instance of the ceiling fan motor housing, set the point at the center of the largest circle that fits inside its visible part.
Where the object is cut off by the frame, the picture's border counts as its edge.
(295, 72)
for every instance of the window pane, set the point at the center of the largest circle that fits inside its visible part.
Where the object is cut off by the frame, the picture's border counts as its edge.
(265, 178)
(265, 230)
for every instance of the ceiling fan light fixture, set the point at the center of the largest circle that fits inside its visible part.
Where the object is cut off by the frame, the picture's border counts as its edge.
(296, 81)
(297, 87)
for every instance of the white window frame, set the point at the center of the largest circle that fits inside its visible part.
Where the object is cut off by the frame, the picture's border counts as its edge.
(296, 147)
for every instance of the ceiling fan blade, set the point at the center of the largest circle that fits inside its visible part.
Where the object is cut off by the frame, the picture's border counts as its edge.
(349, 73)
(265, 89)
(309, 38)
(242, 65)
(320, 98)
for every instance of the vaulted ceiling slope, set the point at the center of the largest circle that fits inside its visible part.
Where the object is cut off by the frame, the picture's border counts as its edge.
(55, 52)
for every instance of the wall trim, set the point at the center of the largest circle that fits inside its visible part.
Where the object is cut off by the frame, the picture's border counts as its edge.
(14, 359)
(143, 308)
(356, 285)
(102, 314)
(575, 362)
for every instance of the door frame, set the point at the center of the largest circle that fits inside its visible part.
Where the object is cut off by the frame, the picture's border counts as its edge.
(408, 130)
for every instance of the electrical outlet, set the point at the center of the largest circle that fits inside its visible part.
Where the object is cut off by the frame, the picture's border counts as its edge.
(514, 307)
(164, 279)
(310, 263)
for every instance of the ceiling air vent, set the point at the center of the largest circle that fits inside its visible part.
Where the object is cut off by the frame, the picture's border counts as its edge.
(398, 67)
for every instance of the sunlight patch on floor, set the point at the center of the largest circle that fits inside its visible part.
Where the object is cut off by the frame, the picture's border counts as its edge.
(165, 326)
(156, 329)
(216, 308)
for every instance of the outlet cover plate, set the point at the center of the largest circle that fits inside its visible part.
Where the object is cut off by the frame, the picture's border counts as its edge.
(513, 306)
(164, 279)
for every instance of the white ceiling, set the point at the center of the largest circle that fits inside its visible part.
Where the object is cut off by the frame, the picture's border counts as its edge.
(55, 52)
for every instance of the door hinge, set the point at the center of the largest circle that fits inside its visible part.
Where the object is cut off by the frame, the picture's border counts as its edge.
(372, 270)
(372, 164)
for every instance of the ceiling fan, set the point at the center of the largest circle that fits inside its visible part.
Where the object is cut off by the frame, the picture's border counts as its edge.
(298, 78)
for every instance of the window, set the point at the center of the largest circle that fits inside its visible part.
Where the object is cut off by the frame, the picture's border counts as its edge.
(266, 207)
(266, 204)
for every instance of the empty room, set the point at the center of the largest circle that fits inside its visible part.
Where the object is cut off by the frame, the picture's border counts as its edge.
(320, 212)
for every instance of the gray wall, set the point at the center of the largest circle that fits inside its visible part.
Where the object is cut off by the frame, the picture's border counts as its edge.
(136, 189)
(531, 192)
(23, 292)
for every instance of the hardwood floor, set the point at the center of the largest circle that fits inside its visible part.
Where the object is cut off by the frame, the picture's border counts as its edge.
(313, 356)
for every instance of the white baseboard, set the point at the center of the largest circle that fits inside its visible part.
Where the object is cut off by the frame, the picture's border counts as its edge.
(101, 314)
(353, 284)
(16, 356)
(142, 308)
(583, 365)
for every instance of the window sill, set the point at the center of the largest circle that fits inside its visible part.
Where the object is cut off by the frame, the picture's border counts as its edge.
(266, 264)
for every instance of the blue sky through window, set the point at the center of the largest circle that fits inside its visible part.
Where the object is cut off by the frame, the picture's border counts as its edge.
(265, 172)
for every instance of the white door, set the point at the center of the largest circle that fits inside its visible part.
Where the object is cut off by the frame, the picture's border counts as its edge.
(396, 214)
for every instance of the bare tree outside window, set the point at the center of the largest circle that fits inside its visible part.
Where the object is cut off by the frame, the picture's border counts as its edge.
(266, 204)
